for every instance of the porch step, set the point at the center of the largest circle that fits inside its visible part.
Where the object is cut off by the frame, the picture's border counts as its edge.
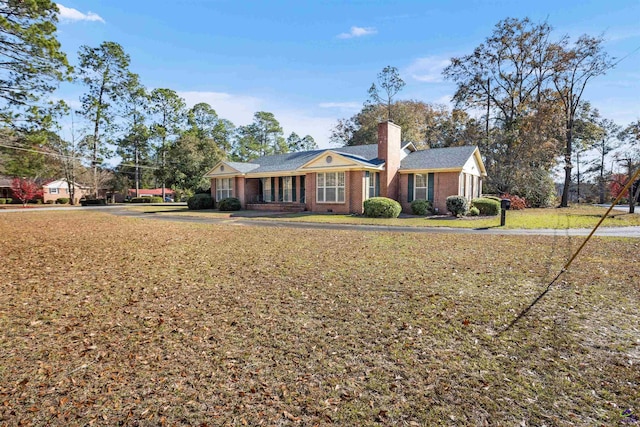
(276, 206)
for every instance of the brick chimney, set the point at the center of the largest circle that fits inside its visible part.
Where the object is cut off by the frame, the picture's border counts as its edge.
(389, 143)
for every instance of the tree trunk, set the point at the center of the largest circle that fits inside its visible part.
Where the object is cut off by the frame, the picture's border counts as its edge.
(567, 166)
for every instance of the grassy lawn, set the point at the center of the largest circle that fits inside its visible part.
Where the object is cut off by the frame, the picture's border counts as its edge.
(576, 216)
(119, 321)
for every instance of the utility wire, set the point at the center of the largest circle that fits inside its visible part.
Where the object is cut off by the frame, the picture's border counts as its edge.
(575, 254)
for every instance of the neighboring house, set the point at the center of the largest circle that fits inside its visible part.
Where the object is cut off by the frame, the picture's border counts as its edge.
(5, 187)
(340, 179)
(57, 189)
(144, 192)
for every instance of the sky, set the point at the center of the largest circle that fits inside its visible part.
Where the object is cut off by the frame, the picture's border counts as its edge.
(312, 62)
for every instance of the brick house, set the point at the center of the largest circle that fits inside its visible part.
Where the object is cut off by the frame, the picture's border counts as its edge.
(339, 180)
(57, 189)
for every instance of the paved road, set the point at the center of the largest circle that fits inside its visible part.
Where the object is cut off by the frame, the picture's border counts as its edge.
(244, 221)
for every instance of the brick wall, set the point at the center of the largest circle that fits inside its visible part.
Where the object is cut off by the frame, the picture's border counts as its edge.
(389, 143)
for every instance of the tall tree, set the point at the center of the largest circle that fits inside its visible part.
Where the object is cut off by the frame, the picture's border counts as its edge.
(134, 146)
(297, 144)
(573, 67)
(168, 108)
(105, 72)
(389, 84)
(507, 76)
(31, 62)
(204, 121)
(629, 157)
(260, 138)
(607, 142)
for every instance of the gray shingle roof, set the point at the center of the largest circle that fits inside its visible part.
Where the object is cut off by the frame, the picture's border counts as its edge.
(437, 158)
(292, 161)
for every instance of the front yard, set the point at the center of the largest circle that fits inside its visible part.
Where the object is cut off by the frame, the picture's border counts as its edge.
(107, 320)
(576, 216)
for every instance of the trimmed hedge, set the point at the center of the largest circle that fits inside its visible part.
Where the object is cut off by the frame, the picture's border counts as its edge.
(457, 205)
(381, 207)
(229, 204)
(200, 201)
(93, 202)
(421, 207)
(3, 201)
(62, 200)
(486, 206)
(151, 199)
(473, 211)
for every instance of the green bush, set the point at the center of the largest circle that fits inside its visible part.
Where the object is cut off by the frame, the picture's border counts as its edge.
(62, 200)
(49, 202)
(486, 206)
(9, 200)
(148, 199)
(229, 204)
(457, 205)
(421, 207)
(491, 197)
(93, 202)
(381, 207)
(473, 211)
(3, 201)
(200, 201)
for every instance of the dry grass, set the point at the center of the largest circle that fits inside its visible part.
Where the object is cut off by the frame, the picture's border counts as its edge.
(112, 320)
(576, 216)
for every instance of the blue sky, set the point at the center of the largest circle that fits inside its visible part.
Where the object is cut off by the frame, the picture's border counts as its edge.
(311, 62)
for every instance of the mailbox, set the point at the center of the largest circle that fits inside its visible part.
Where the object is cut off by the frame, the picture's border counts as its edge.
(505, 204)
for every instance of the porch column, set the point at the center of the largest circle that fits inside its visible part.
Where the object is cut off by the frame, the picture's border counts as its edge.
(239, 191)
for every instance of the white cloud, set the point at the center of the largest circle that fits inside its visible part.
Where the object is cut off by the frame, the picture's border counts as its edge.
(350, 106)
(428, 69)
(70, 14)
(358, 32)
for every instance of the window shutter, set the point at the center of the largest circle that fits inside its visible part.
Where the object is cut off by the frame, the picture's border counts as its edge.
(280, 181)
(260, 189)
(293, 187)
(430, 180)
(410, 193)
(302, 189)
(377, 184)
(273, 189)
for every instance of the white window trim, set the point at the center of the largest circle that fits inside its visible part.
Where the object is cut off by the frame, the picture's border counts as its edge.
(426, 186)
(53, 190)
(336, 187)
(371, 184)
(221, 191)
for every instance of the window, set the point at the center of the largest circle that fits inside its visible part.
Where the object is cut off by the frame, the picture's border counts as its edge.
(266, 189)
(330, 187)
(223, 188)
(287, 193)
(53, 190)
(372, 180)
(420, 189)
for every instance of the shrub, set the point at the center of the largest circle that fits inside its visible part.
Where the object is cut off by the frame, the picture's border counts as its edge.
(200, 201)
(457, 205)
(489, 196)
(62, 200)
(229, 204)
(3, 201)
(539, 191)
(93, 202)
(473, 211)
(381, 207)
(421, 207)
(148, 199)
(486, 206)
(517, 202)
(49, 202)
